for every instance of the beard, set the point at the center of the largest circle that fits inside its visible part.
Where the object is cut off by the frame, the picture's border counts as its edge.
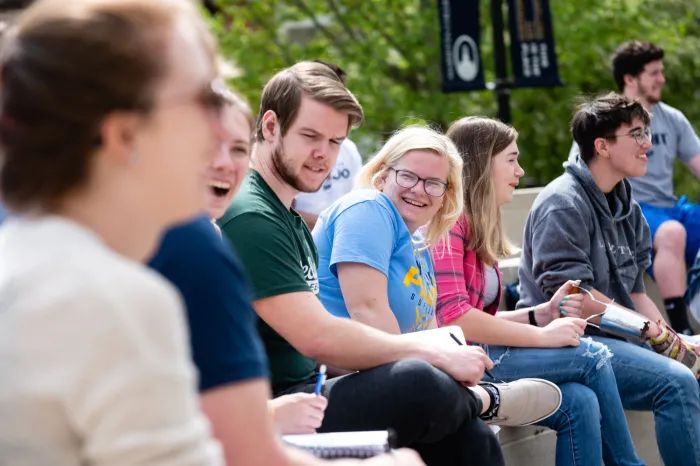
(644, 93)
(286, 172)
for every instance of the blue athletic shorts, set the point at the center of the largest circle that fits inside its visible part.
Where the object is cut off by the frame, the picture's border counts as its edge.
(685, 212)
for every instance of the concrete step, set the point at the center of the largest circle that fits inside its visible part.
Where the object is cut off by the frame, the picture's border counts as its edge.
(536, 446)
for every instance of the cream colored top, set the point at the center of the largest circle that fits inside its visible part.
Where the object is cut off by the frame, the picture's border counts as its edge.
(94, 360)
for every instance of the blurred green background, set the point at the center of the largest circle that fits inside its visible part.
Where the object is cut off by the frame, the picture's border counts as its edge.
(390, 50)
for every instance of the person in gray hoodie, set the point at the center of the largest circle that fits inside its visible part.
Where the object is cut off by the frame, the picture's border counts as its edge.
(585, 225)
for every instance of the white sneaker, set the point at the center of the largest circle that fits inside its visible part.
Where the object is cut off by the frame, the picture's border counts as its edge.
(525, 401)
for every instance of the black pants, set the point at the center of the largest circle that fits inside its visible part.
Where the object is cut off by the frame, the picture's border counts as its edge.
(429, 411)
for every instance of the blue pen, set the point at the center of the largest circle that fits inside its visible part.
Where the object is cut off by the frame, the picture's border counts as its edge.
(320, 380)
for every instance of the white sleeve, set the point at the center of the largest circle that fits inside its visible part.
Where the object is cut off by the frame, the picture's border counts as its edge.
(135, 401)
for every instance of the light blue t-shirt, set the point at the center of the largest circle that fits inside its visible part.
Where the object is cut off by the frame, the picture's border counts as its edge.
(364, 227)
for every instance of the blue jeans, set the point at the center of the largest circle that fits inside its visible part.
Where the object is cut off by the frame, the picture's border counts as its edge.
(590, 425)
(651, 382)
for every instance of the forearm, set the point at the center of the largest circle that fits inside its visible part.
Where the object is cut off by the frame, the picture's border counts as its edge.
(356, 346)
(647, 308)
(253, 442)
(381, 319)
(484, 328)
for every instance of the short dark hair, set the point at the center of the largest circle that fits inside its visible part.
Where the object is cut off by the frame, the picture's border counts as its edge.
(631, 57)
(63, 69)
(601, 117)
(318, 80)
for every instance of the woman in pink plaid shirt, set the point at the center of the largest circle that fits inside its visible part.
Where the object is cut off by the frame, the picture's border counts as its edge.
(533, 342)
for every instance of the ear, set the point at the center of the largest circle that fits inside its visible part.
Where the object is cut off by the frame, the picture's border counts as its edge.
(628, 79)
(381, 179)
(270, 125)
(118, 133)
(601, 146)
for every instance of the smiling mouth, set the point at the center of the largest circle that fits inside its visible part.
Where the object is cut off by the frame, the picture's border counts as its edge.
(220, 189)
(413, 203)
(642, 156)
(315, 169)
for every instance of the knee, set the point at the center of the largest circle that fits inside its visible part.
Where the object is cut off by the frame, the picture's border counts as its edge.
(579, 409)
(422, 379)
(680, 381)
(427, 388)
(670, 235)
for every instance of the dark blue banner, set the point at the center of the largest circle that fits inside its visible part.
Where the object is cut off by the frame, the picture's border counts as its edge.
(460, 45)
(533, 57)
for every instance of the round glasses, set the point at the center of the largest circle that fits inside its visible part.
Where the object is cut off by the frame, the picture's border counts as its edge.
(408, 179)
(638, 135)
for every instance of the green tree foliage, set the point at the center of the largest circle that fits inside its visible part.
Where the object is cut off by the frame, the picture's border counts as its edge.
(390, 50)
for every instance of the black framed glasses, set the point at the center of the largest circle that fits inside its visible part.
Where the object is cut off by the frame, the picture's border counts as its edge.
(408, 179)
(638, 135)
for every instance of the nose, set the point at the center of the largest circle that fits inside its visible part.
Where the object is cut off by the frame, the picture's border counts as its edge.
(221, 158)
(419, 188)
(647, 142)
(519, 172)
(322, 149)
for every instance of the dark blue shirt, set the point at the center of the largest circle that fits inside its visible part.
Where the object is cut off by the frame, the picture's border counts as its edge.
(226, 347)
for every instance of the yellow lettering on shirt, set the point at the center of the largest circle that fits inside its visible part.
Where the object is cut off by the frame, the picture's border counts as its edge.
(412, 277)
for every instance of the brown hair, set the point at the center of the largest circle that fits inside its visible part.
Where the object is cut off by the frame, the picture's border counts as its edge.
(478, 139)
(601, 117)
(631, 57)
(64, 68)
(318, 80)
(235, 100)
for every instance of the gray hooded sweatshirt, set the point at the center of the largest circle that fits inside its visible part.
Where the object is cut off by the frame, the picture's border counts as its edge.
(571, 234)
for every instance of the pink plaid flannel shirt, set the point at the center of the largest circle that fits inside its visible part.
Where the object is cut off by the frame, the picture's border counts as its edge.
(460, 276)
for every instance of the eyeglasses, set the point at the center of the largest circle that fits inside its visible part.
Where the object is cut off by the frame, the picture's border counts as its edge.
(639, 135)
(408, 179)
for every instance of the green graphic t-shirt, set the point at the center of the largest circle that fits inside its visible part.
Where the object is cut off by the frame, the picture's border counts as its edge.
(279, 255)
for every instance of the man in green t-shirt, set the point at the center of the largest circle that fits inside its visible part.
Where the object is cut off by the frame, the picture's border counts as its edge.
(402, 382)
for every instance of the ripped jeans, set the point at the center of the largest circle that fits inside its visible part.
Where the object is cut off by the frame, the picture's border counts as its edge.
(590, 424)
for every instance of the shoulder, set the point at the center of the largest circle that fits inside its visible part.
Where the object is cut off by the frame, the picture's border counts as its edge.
(366, 202)
(192, 237)
(563, 192)
(665, 111)
(120, 291)
(194, 246)
(563, 196)
(254, 197)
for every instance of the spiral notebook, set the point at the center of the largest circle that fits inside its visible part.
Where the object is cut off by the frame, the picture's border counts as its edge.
(342, 444)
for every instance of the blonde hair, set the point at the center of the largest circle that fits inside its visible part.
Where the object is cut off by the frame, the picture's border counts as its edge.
(478, 140)
(421, 138)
